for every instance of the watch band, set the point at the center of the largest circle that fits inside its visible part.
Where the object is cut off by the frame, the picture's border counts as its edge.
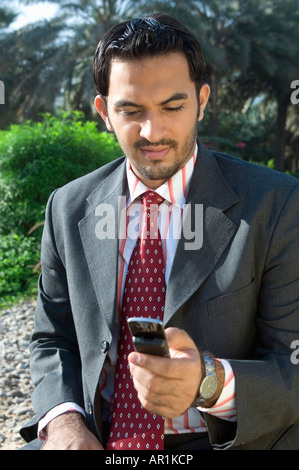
(209, 383)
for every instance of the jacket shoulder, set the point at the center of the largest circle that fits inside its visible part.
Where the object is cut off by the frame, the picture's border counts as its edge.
(254, 177)
(76, 192)
(89, 182)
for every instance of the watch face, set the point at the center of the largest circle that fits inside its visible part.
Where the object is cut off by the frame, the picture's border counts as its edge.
(208, 387)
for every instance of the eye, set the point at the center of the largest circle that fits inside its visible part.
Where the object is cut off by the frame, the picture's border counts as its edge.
(128, 113)
(174, 110)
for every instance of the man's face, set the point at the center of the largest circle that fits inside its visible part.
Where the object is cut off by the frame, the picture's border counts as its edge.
(153, 110)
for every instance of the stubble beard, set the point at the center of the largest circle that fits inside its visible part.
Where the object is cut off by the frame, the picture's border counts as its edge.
(157, 170)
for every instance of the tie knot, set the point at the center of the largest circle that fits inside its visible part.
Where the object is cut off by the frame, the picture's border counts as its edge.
(151, 197)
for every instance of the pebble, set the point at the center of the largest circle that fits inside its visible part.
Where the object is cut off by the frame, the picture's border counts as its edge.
(16, 326)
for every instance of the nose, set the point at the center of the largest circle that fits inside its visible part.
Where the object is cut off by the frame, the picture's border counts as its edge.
(153, 128)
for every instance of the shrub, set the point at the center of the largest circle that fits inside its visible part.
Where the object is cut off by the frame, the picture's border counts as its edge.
(18, 254)
(36, 158)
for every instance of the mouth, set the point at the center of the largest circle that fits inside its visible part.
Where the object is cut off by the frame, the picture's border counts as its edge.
(155, 153)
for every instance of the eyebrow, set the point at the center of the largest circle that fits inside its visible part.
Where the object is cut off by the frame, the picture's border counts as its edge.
(175, 97)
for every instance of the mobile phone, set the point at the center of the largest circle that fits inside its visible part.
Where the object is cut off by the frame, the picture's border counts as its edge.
(148, 336)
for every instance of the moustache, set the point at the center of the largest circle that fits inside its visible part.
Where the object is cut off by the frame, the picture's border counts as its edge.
(146, 143)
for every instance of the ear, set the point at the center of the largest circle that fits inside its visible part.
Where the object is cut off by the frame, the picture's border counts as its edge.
(101, 108)
(204, 95)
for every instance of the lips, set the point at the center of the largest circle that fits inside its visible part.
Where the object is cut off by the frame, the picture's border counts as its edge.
(155, 153)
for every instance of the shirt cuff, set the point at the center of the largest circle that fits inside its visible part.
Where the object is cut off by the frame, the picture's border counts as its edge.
(225, 406)
(58, 410)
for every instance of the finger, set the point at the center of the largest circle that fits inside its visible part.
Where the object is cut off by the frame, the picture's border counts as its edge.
(181, 349)
(168, 385)
(159, 398)
(151, 382)
(179, 342)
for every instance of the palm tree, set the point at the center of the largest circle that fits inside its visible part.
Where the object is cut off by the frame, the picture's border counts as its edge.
(226, 47)
(51, 60)
(273, 63)
(7, 15)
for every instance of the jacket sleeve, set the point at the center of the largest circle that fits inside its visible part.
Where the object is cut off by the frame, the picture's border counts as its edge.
(267, 384)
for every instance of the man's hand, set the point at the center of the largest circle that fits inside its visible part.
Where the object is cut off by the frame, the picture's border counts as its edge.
(69, 432)
(166, 386)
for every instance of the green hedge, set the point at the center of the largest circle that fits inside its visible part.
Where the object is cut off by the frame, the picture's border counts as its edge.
(18, 257)
(36, 158)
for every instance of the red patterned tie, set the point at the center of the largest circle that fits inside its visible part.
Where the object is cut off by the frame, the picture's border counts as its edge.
(133, 427)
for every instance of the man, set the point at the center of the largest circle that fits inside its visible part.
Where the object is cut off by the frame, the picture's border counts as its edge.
(231, 302)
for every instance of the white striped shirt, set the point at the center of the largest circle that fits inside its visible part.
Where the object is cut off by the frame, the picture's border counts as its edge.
(174, 191)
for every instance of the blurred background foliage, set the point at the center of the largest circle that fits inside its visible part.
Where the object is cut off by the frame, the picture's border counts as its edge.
(51, 134)
(38, 157)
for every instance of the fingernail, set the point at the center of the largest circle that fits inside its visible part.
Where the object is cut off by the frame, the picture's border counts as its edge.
(134, 358)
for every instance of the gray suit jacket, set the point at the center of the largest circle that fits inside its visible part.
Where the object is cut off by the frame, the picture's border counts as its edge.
(237, 296)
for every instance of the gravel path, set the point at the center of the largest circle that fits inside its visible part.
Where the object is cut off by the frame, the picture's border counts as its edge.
(16, 326)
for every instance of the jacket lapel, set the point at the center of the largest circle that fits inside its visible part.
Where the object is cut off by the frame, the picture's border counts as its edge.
(192, 266)
(99, 235)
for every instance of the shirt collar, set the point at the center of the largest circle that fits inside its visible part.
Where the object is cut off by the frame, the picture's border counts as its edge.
(174, 190)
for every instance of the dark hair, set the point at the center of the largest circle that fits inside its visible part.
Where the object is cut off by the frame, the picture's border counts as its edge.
(149, 36)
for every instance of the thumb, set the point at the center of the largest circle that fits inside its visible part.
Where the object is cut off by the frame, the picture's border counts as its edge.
(180, 343)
